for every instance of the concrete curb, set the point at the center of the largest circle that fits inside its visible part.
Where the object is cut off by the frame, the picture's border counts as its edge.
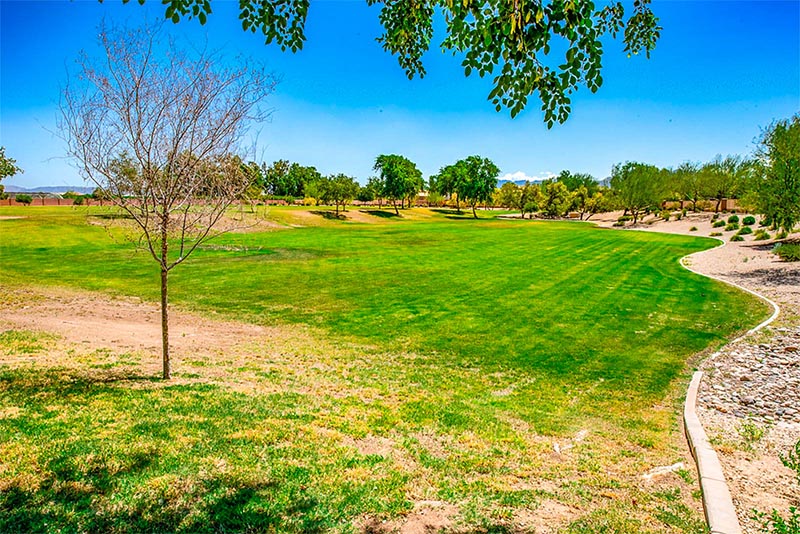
(717, 501)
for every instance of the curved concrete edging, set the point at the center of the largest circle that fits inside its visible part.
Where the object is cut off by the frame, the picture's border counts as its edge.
(717, 501)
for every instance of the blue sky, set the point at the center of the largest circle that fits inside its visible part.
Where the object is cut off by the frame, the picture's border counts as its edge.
(721, 72)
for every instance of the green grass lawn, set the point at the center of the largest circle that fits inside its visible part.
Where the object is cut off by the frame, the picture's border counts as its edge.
(491, 338)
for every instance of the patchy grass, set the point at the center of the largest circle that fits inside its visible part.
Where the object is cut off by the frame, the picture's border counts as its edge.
(444, 360)
(24, 342)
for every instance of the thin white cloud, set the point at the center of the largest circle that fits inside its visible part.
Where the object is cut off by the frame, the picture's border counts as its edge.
(521, 176)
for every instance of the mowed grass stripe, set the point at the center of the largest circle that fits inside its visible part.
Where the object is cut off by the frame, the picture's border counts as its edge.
(561, 300)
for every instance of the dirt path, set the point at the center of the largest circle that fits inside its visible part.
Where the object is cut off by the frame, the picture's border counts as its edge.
(749, 399)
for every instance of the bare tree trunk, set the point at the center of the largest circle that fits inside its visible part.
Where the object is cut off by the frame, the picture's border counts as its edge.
(164, 302)
(167, 372)
(474, 214)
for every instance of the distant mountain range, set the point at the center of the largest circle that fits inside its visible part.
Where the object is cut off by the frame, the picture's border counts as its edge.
(56, 189)
(518, 182)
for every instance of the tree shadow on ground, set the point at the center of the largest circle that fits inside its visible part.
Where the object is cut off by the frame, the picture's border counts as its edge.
(382, 214)
(450, 211)
(112, 216)
(126, 484)
(770, 277)
(330, 215)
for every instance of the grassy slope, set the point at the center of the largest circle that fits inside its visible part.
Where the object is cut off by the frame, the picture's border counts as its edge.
(575, 326)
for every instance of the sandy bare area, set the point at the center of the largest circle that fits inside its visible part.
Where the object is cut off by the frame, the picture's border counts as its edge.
(749, 441)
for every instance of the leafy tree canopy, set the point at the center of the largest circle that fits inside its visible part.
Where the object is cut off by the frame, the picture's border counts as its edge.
(779, 185)
(400, 176)
(577, 180)
(481, 180)
(638, 186)
(509, 39)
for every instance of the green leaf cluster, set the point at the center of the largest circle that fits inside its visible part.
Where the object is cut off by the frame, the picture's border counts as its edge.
(511, 40)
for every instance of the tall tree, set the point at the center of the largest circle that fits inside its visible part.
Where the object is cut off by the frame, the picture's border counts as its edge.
(159, 130)
(510, 40)
(508, 195)
(557, 199)
(8, 168)
(531, 198)
(779, 184)
(637, 186)
(450, 181)
(692, 183)
(577, 180)
(338, 190)
(481, 181)
(727, 177)
(400, 176)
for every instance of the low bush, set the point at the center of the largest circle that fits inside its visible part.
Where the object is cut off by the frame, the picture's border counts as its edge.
(783, 234)
(745, 230)
(733, 219)
(715, 234)
(788, 251)
(749, 220)
(731, 227)
(625, 218)
(665, 214)
(718, 224)
(693, 229)
(736, 237)
(619, 223)
(761, 235)
(715, 217)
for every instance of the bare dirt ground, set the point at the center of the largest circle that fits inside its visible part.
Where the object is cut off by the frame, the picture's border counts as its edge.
(749, 438)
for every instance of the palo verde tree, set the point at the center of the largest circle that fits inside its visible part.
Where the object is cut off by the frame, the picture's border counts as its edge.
(161, 131)
(692, 183)
(400, 176)
(510, 40)
(727, 177)
(779, 184)
(8, 168)
(637, 187)
(480, 183)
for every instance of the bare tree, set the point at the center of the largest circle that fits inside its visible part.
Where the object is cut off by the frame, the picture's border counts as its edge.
(161, 131)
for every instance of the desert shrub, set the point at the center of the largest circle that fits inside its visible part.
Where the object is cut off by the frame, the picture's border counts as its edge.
(733, 219)
(717, 224)
(749, 220)
(715, 234)
(309, 201)
(745, 230)
(736, 237)
(625, 218)
(24, 199)
(77, 200)
(665, 214)
(761, 235)
(715, 217)
(693, 229)
(783, 234)
(731, 227)
(619, 223)
(788, 251)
